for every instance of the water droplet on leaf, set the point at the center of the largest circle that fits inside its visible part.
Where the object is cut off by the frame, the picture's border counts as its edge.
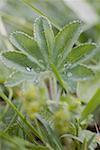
(28, 69)
(67, 65)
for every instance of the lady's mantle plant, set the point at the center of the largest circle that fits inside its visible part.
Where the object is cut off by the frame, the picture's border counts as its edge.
(57, 54)
(48, 52)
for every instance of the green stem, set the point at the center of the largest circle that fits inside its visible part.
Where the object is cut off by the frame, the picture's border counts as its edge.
(11, 122)
(2, 95)
(34, 8)
(40, 12)
(59, 77)
(7, 106)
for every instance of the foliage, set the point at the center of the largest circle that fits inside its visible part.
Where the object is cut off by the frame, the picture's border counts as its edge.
(54, 53)
(49, 82)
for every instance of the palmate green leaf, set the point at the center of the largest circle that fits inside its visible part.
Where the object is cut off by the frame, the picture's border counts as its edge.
(91, 106)
(26, 44)
(65, 40)
(19, 61)
(46, 52)
(81, 53)
(44, 36)
(79, 73)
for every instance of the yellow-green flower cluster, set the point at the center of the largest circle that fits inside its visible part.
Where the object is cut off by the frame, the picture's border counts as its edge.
(69, 108)
(61, 119)
(34, 100)
(74, 104)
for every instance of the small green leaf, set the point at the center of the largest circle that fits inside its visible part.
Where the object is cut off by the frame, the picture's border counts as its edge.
(18, 77)
(49, 35)
(81, 53)
(96, 57)
(79, 73)
(72, 85)
(44, 36)
(90, 137)
(49, 133)
(27, 45)
(18, 61)
(65, 40)
(86, 89)
(91, 106)
(4, 73)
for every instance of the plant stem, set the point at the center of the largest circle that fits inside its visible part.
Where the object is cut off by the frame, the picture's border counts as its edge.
(7, 106)
(3, 96)
(59, 77)
(40, 12)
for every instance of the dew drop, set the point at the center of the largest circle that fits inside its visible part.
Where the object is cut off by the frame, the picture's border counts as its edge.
(69, 74)
(67, 65)
(28, 69)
